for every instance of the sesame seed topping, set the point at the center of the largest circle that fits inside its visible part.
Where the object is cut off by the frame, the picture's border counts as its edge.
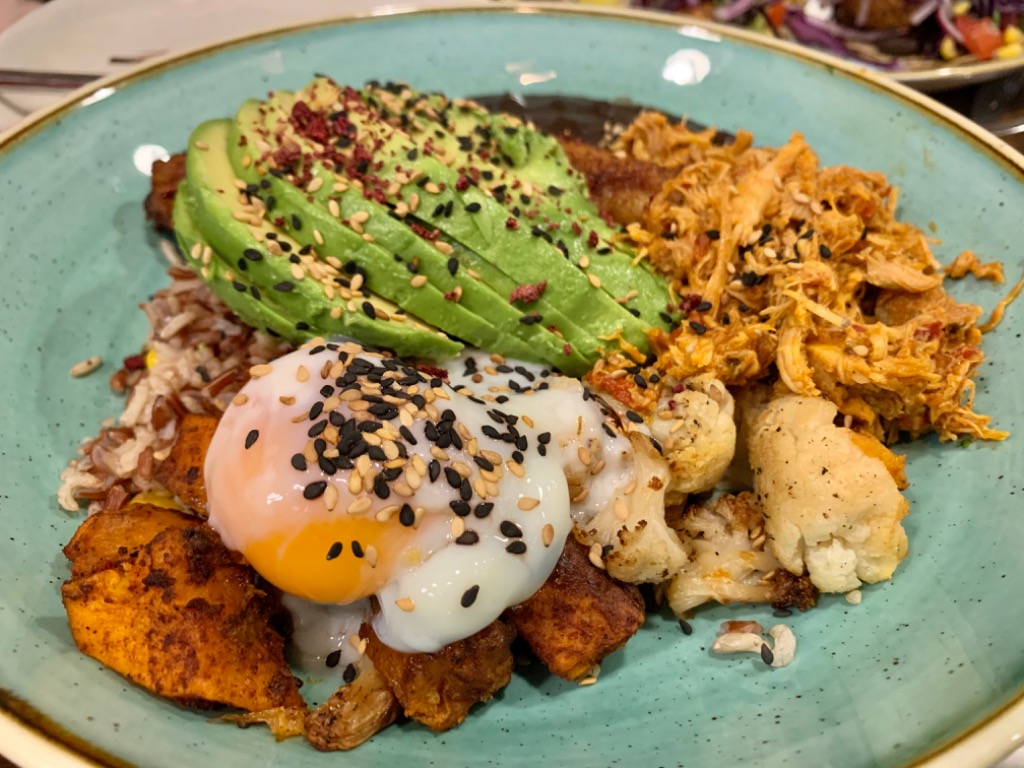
(334, 551)
(547, 534)
(406, 604)
(510, 529)
(516, 548)
(251, 438)
(314, 490)
(526, 503)
(468, 538)
(469, 596)
(594, 555)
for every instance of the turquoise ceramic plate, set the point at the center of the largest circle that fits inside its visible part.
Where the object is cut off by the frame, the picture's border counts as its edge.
(923, 662)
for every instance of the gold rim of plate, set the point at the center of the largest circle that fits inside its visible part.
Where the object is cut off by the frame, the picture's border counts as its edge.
(32, 740)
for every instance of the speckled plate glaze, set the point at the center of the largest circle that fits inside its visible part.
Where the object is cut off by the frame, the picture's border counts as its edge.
(927, 669)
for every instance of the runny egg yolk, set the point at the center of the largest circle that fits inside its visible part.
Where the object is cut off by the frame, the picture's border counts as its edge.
(341, 474)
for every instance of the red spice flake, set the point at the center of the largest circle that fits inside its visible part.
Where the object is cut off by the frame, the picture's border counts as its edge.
(532, 213)
(312, 125)
(279, 221)
(679, 388)
(451, 296)
(287, 155)
(577, 229)
(592, 239)
(512, 223)
(928, 331)
(430, 370)
(474, 174)
(689, 303)
(243, 140)
(423, 232)
(567, 349)
(134, 362)
(528, 292)
(462, 184)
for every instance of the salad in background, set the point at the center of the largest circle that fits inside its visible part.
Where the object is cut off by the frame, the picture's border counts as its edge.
(893, 34)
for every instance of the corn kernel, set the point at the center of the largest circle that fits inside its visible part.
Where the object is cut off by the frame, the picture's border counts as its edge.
(947, 48)
(1011, 51)
(151, 359)
(1013, 35)
(961, 8)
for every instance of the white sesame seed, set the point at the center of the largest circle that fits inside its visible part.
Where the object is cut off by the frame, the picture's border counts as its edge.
(87, 366)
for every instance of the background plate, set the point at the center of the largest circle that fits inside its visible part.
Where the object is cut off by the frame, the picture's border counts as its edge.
(923, 659)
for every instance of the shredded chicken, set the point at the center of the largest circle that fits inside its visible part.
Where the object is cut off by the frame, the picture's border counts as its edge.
(781, 265)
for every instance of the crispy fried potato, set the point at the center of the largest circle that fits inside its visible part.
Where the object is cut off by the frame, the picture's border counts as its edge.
(437, 689)
(182, 471)
(165, 178)
(354, 713)
(283, 722)
(579, 616)
(182, 619)
(107, 539)
(620, 187)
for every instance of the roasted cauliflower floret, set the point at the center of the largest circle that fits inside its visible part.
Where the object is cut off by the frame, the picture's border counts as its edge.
(639, 545)
(829, 506)
(697, 433)
(729, 562)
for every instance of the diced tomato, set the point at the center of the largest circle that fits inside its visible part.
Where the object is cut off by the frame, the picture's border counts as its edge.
(775, 13)
(981, 36)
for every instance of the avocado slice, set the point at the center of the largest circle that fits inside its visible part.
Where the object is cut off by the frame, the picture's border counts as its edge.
(466, 133)
(235, 294)
(392, 166)
(319, 298)
(338, 217)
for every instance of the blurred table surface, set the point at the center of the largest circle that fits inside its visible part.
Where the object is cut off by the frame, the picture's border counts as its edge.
(998, 103)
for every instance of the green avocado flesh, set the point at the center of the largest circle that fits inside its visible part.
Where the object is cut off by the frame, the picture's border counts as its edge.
(409, 222)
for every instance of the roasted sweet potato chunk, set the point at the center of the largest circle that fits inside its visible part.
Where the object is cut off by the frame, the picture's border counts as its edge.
(182, 471)
(354, 713)
(437, 689)
(107, 539)
(579, 616)
(183, 618)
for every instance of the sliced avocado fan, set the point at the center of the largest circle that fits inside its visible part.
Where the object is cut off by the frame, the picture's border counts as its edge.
(396, 218)
(270, 281)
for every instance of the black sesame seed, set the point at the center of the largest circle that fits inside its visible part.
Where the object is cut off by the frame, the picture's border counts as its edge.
(483, 463)
(473, 208)
(704, 306)
(251, 438)
(285, 286)
(467, 538)
(381, 488)
(544, 438)
(516, 548)
(782, 613)
(240, 287)
(252, 254)
(369, 311)
(640, 380)
(333, 659)
(434, 470)
(357, 549)
(326, 466)
(315, 490)
(438, 211)
(469, 596)
(406, 516)
(460, 508)
(317, 429)
(685, 626)
(454, 478)
(334, 551)
(635, 417)
(511, 530)
(465, 490)
(699, 328)
(712, 234)
(825, 251)
(453, 265)
(296, 222)
(483, 509)
(350, 672)
(299, 462)
(766, 654)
